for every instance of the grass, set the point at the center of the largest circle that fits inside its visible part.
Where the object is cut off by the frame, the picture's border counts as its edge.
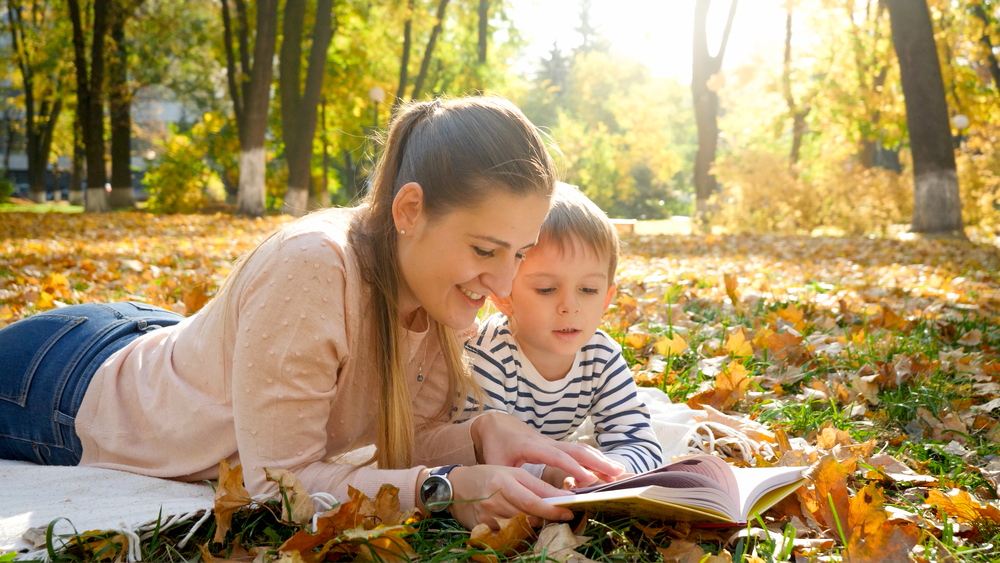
(40, 208)
(943, 290)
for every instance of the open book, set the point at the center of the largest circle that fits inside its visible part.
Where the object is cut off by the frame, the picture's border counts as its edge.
(702, 488)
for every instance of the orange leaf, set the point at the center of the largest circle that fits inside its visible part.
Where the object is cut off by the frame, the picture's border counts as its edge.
(962, 506)
(511, 538)
(230, 496)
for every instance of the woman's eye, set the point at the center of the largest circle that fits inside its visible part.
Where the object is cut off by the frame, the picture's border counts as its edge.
(545, 290)
(483, 253)
(520, 256)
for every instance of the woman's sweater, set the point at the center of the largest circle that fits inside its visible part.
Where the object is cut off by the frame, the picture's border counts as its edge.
(277, 372)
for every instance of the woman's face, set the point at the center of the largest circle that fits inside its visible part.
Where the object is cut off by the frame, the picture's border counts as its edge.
(452, 263)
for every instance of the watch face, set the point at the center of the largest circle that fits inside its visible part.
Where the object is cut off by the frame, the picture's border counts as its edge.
(436, 493)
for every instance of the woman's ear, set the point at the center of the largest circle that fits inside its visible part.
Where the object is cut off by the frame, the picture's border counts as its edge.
(408, 208)
(503, 305)
(611, 295)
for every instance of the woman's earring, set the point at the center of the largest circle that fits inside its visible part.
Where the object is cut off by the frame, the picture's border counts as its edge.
(402, 231)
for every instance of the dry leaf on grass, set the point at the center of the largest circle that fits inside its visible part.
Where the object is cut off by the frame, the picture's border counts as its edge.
(512, 537)
(730, 387)
(296, 506)
(683, 551)
(230, 496)
(960, 505)
(872, 539)
(558, 542)
(360, 528)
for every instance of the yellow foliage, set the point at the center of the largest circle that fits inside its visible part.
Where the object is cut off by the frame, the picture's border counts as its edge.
(760, 194)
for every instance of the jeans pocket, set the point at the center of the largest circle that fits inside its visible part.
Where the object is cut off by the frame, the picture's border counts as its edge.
(23, 346)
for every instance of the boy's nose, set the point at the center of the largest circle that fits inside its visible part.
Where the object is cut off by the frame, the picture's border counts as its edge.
(568, 305)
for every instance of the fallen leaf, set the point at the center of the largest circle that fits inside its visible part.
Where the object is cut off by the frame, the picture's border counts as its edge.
(737, 345)
(558, 542)
(670, 345)
(512, 537)
(296, 506)
(230, 496)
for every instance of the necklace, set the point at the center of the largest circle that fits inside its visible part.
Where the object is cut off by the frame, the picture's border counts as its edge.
(420, 366)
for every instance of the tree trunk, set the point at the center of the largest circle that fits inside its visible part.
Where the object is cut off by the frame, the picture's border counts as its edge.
(429, 51)
(936, 204)
(798, 115)
(484, 28)
(405, 62)
(121, 120)
(706, 102)
(77, 170)
(251, 98)
(90, 99)
(298, 109)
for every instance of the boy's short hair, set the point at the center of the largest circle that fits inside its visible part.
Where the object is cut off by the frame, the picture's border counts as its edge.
(574, 215)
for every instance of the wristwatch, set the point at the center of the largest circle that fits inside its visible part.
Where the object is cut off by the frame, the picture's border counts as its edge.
(436, 491)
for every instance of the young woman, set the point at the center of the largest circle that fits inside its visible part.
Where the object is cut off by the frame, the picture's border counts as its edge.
(338, 331)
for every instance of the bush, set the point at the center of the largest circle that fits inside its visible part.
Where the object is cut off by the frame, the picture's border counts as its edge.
(6, 189)
(181, 181)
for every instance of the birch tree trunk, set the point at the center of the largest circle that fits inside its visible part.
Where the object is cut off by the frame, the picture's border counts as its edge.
(937, 208)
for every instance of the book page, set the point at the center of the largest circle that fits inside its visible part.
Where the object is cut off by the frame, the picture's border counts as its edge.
(713, 468)
(755, 482)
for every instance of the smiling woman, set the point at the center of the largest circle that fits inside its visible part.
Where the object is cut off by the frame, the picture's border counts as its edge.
(341, 319)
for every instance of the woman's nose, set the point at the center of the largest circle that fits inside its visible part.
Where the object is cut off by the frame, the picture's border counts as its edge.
(500, 279)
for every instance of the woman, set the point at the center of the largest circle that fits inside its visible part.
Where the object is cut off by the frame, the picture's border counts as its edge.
(336, 332)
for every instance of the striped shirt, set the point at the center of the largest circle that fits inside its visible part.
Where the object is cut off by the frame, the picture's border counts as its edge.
(599, 385)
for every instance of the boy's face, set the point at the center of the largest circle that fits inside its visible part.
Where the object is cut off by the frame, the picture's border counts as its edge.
(556, 303)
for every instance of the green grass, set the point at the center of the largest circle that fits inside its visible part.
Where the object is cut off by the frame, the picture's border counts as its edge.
(40, 208)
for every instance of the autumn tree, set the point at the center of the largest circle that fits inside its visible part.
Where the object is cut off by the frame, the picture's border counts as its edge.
(90, 94)
(249, 89)
(298, 106)
(37, 42)
(704, 92)
(936, 204)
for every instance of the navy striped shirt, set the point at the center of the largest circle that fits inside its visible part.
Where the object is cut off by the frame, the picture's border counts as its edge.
(599, 385)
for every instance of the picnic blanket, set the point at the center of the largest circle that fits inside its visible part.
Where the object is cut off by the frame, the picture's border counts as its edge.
(84, 498)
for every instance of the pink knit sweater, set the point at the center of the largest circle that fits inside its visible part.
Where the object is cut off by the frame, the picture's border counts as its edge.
(276, 373)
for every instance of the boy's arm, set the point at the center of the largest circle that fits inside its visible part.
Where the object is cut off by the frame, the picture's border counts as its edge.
(621, 421)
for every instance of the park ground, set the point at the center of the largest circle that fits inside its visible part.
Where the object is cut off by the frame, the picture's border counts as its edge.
(876, 359)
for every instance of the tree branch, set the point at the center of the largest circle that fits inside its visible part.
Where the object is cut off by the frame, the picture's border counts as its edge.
(401, 91)
(234, 90)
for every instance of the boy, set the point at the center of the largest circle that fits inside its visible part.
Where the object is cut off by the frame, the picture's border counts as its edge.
(543, 359)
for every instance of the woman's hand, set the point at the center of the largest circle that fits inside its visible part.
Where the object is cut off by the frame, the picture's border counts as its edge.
(502, 439)
(558, 478)
(483, 493)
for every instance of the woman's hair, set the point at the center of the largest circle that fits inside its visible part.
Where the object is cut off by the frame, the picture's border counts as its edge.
(460, 151)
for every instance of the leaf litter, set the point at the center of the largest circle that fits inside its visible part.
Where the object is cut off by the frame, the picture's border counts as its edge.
(874, 360)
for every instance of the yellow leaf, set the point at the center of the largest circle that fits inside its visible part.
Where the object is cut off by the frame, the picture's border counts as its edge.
(760, 339)
(737, 345)
(667, 345)
(45, 301)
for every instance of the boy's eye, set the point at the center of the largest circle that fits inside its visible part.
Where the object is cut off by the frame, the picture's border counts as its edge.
(545, 290)
(483, 253)
(589, 290)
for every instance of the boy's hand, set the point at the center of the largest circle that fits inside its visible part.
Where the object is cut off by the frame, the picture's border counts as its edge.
(558, 478)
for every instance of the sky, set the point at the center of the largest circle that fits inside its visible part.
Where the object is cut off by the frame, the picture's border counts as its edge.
(656, 32)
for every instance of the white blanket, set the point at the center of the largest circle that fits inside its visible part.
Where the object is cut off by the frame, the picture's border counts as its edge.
(32, 496)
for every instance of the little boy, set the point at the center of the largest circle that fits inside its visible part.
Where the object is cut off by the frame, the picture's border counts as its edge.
(543, 359)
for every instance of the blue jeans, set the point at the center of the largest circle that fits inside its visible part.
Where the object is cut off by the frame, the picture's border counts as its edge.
(46, 363)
